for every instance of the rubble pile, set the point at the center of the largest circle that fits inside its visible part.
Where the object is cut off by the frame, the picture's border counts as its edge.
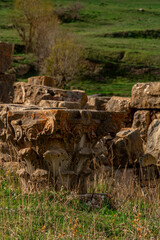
(56, 137)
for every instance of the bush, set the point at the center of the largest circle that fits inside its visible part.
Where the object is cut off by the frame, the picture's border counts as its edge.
(70, 13)
(65, 61)
(35, 23)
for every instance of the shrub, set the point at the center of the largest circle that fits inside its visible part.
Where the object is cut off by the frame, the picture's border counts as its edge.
(70, 13)
(65, 61)
(34, 21)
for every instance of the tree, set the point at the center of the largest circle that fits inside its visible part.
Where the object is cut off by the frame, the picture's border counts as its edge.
(38, 28)
(34, 21)
(66, 59)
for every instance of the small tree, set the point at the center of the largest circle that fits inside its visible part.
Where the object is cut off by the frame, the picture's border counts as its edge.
(65, 61)
(34, 21)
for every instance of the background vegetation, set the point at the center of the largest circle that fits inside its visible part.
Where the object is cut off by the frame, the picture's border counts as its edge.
(122, 38)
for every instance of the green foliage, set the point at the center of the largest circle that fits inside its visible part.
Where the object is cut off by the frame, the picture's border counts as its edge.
(137, 43)
(65, 61)
(32, 19)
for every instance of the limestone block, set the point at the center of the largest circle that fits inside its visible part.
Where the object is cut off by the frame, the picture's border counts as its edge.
(60, 104)
(141, 121)
(153, 139)
(127, 147)
(28, 94)
(146, 168)
(6, 52)
(58, 141)
(97, 103)
(41, 80)
(146, 96)
(118, 104)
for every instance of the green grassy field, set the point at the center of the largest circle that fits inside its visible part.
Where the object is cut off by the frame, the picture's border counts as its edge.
(99, 22)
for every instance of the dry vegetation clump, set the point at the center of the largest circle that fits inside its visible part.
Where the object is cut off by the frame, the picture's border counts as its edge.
(60, 215)
(34, 20)
(70, 13)
(66, 59)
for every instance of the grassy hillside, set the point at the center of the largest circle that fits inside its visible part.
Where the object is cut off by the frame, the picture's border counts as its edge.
(115, 32)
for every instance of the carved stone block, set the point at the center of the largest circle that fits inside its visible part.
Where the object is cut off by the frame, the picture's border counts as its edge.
(58, 141)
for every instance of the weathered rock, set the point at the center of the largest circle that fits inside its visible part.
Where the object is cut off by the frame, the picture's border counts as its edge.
(153, 139)
(97, 200)
(41, 80)
(146, 168)
(146, 96)
(120, 104)
(155, 115)
(147, 160)
(141, 121)
(97, 103)
(58, 141)
(6, 52)
(59, 104)
(6, 88)
(126, 147)
(27, 94)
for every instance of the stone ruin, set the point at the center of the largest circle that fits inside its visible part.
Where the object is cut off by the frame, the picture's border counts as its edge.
(57, 137)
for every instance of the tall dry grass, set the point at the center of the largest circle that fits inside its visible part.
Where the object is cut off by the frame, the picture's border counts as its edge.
(60, 215)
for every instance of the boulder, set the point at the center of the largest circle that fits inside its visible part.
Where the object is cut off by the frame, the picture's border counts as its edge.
(120, 104)
(41, 80)
(6, 52)
(153, 139)
(29, 94)
(146, 168)
(146, 96)
(141, 121)
(126, 148)
(97, 103)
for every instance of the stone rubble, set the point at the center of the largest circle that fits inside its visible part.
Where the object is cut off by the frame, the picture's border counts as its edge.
(55, 137)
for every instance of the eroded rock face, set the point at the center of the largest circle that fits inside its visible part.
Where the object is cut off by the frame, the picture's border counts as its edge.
(141, 121)
(55, 143)
(6, 52)
(153, 139)
(60, 104)
(120, 104)
(29, 94)
(41, 80)
(146, 96)
(126, 147)
(97, 103)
